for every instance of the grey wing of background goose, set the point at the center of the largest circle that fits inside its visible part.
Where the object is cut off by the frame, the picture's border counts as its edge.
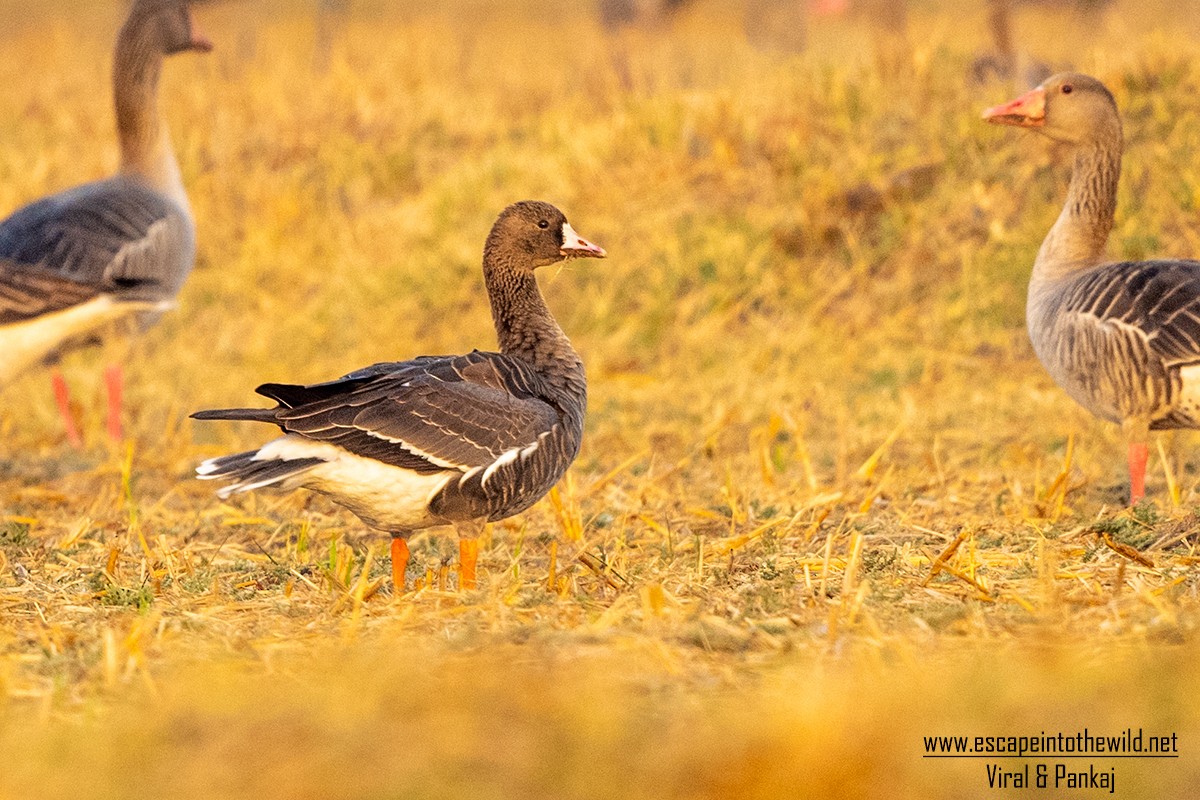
(1146, 315)
(116, 235)
(26, 293)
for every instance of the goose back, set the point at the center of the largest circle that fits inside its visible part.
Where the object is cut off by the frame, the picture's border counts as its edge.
(116, 235)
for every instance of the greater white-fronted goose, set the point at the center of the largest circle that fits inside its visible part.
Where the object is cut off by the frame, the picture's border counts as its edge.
(1123, 339)
(74, 263)
(440, 439)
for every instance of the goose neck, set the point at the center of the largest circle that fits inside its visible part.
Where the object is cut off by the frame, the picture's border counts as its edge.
(1078, 238)
(525, 327)
(146, 151)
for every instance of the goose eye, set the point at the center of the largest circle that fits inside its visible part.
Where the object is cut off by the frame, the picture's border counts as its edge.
(543, 224)
(1067, 88)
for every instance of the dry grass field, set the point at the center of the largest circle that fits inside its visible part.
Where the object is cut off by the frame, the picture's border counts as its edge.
(828, 502)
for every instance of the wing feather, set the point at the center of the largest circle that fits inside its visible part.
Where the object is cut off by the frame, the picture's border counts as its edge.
(429, 414)
(1156, 302)
(26, 293)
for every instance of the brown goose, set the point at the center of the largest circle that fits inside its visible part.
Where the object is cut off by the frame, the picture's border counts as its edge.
(1123, 339)
(76, 262)
(440, 439)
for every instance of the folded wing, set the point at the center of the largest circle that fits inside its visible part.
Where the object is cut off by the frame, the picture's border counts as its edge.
(26, 293)
(116, 235)
(1153, 305)
(427, 415)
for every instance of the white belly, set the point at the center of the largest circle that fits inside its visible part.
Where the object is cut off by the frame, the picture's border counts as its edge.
(385, 497)
(24, 344)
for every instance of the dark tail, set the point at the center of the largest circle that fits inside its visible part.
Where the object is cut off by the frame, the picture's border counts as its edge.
(247, 473)
(250, 414)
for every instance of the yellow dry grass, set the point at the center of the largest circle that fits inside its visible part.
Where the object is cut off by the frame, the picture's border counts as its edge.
(828, 502)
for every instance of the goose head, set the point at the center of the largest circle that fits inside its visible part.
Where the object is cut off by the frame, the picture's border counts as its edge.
(169, 24)
(533, 234)
(1068, 107)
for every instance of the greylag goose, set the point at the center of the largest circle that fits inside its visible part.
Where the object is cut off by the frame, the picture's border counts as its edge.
(1123, 339)
(76, 262)
(439, 439)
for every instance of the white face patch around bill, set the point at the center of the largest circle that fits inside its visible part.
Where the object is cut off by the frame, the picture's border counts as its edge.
(575, 245)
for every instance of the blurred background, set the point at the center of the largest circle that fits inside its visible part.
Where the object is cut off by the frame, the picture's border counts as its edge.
(828, 501)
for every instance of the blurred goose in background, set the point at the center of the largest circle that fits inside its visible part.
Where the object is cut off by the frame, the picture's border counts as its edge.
(1123, 339)
(617, 14)
(778, 25)
(619, 17)
(1008, 63)
(440, 439)
(1005, 62)
(77, 262)
(332, 16)
(782, 25)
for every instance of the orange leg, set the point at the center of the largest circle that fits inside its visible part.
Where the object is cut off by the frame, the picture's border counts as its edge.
(1138, 453)
(113, 383)
(468, 557)
(62, 397)
(399, 563)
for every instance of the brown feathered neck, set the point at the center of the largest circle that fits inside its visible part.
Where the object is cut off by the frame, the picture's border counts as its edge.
(525, 327)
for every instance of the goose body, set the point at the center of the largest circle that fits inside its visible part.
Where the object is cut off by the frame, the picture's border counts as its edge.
(439, 439)
(78, 261)
(617, 14)
(413, 444)
(1005, 62)
(1121, 338)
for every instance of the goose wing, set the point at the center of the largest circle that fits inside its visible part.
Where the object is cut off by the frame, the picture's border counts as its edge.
(26, 293)
(427, 415)
(117, 235)
(1149, 305)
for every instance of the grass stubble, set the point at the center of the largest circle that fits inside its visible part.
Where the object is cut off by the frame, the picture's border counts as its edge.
(827, 502)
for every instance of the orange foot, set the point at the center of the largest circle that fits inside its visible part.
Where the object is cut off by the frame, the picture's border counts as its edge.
(400, 555)
(468, 557)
